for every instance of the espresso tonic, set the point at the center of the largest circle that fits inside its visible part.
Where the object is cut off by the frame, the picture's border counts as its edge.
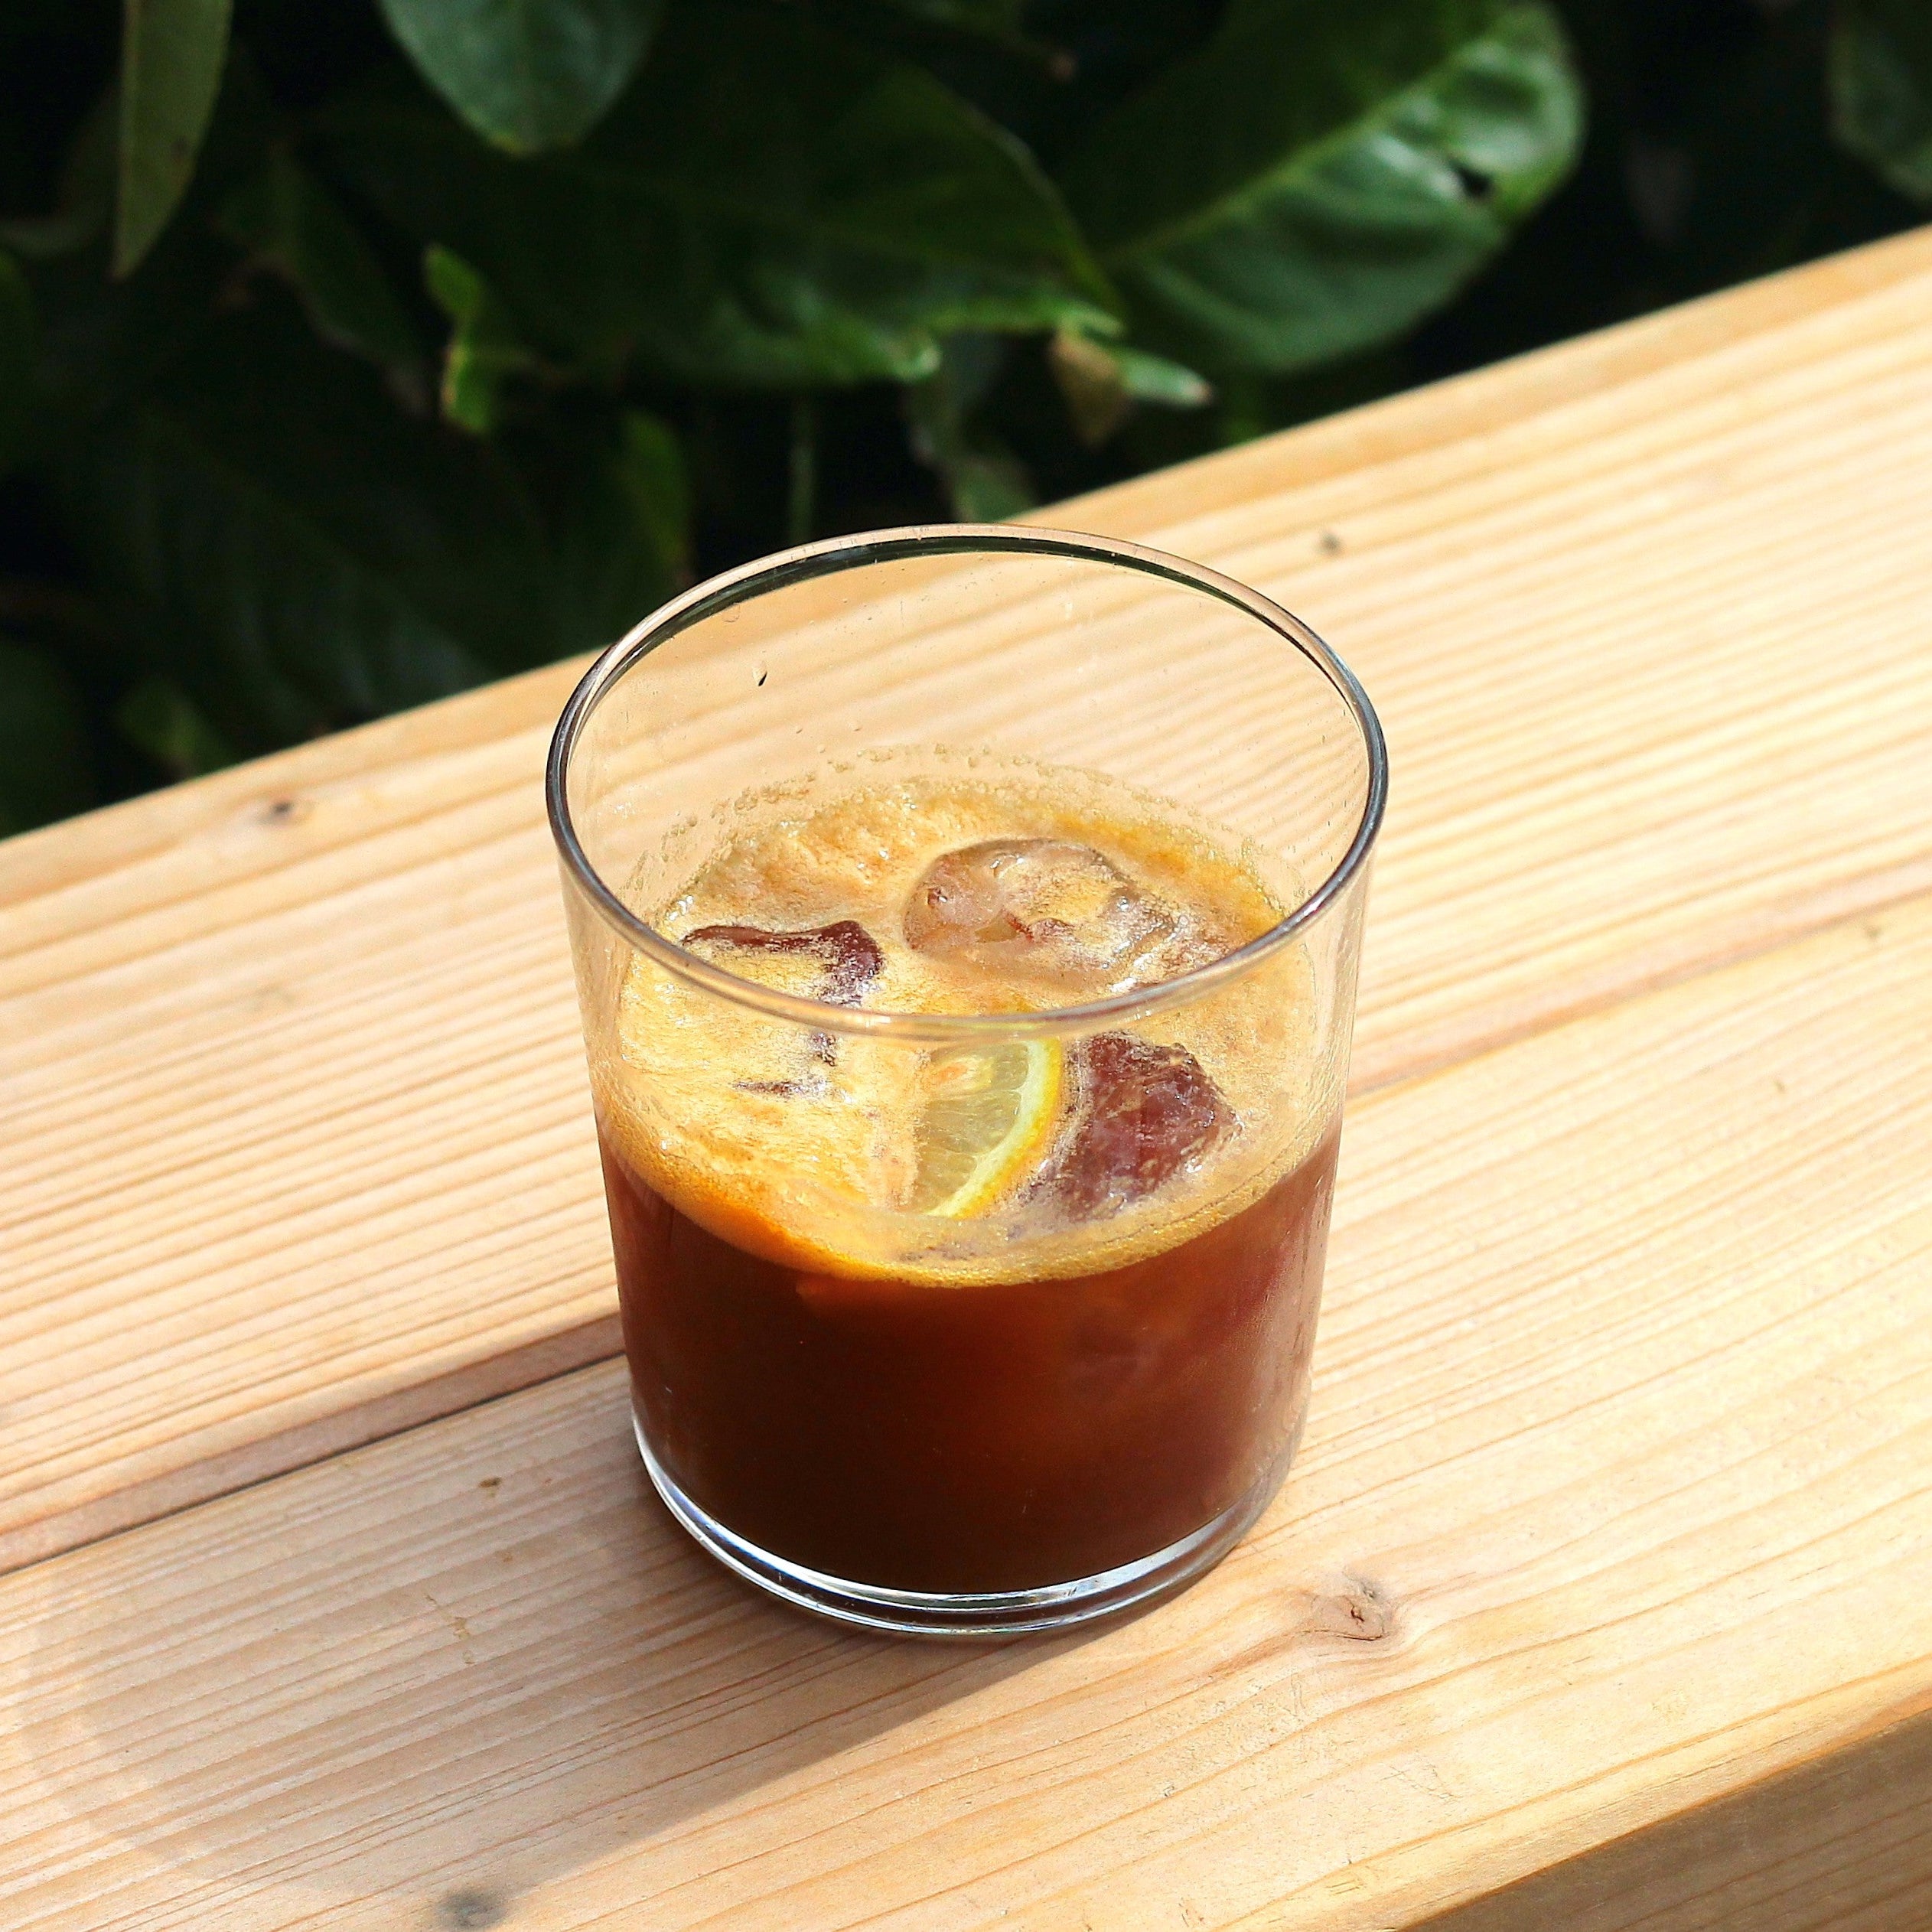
(1013, 1301)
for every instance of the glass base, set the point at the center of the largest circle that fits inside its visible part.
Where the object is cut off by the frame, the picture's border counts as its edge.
(951, 1614)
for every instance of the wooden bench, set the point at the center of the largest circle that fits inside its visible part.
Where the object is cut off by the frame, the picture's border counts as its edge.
(1600, 1596)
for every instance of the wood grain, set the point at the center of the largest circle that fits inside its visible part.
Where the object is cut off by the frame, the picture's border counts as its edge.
(1840, 1843)
(1600, 1596)
(294, 1142)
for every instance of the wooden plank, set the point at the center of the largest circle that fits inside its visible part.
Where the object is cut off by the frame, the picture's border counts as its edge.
(1601, 1595)
(1840, 1843)
(1644, 614)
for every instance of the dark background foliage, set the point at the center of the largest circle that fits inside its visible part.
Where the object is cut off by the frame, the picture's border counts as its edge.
(354, 351)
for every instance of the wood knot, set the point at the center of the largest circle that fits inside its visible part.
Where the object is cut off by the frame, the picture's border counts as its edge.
(1352, 1608)
(470, 1908)
(284, 811)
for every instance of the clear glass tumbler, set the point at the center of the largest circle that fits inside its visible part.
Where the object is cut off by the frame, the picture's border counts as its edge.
(1062, 1374)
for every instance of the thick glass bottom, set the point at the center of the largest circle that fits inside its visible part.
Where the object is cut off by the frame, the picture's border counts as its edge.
(966, 1614)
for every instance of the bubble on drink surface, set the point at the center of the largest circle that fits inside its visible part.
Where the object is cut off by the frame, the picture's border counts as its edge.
(1143, 1112)
(1039, 909)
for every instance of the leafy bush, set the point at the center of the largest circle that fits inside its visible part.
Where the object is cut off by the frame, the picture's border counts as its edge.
(352, 353)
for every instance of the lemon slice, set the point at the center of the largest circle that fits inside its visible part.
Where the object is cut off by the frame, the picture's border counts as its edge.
(987, 1120)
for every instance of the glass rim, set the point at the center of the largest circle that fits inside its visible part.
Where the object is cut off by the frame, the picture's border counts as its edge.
(828, 557)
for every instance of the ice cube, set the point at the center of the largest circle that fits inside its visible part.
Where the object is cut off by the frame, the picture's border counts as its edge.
(1041, 909)
(1144, 1111)
(849, 960)
(848, 954)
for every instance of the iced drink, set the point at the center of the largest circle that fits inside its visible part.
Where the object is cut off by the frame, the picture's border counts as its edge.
(969, 1316)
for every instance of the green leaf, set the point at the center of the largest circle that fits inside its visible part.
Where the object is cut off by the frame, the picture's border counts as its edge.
(526, 74)
(18, 356)
(1317, 178)
(171, 55)
(305, 554)
(483, 346)
(769, 206)
(649, 470)
(103, 340)
(1102, 382)
(984, 481)
(1880, 67)
(158, 717)
(623, 525)
(988, 486)
(1149, 378)
(45, 772)
(289, 223)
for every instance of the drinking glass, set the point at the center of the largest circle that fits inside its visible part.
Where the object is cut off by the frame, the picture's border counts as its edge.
(1026, 1425)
